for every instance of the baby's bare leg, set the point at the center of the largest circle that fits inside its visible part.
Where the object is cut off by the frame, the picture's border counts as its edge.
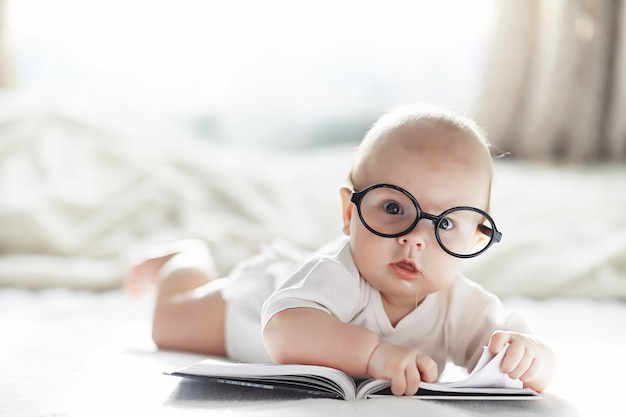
(189, 309)
(145, 272)
(189, 314)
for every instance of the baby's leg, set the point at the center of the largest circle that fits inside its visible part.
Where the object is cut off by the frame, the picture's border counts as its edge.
(189, 310)
(145, 272)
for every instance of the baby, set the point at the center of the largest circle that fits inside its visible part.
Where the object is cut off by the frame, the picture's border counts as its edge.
(386, 299)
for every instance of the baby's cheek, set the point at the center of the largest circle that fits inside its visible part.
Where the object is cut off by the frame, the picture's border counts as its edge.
(444, 269)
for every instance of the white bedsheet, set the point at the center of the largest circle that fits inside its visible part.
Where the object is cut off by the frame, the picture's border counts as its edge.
(77, 196)
(68, 353)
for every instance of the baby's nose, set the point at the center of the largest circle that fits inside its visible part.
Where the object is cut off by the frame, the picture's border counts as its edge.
(418, 235)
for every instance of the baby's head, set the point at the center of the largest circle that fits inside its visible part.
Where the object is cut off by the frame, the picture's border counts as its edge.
(428, 130)
(418, 161)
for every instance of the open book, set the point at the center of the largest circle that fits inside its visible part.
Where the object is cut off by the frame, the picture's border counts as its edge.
(486, 381)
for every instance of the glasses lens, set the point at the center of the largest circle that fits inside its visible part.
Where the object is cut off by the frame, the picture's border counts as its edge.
(464, 231)
(387, 210)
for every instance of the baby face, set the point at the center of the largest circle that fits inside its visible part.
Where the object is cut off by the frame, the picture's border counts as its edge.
(442, 168)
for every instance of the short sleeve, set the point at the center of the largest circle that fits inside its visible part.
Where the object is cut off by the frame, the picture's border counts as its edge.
(325, 284)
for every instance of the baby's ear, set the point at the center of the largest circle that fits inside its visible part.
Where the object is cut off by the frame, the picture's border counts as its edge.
(346, 209)
(480, 239)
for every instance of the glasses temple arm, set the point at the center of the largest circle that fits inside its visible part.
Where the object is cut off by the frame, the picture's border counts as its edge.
(491, 233)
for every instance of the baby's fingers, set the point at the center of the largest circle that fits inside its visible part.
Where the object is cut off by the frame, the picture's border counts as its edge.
(531, 372)
(428, 369)
(398, 383)
(412, 377)
(423, 369)
(513, 358)
(498, 340)
(522, 367)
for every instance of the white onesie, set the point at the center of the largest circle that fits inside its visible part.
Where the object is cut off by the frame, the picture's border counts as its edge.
(452, 324)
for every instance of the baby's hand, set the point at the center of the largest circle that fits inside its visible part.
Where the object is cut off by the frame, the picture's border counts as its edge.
(527, 358)
(403, 366)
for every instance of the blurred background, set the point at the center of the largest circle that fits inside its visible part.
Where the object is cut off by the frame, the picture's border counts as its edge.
(123, 122)
(128, 123)
(271, 73)
(546, 78)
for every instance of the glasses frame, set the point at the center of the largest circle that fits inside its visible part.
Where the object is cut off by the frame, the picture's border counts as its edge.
(494, 234)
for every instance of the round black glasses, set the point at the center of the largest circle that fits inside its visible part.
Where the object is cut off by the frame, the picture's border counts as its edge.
(390, 211)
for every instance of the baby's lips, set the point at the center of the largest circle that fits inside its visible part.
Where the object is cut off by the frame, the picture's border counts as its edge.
(407, 271)
(407, 265)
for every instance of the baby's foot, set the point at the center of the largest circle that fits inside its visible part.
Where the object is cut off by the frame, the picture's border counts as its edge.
(144, 271)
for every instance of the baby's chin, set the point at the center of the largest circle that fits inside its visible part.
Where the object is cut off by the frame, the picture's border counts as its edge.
(407, 292)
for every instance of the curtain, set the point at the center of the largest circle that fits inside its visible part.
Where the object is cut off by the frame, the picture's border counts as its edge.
(7, 74)
(555, 80)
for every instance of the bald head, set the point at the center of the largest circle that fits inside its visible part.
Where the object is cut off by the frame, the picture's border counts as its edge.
(434, 135)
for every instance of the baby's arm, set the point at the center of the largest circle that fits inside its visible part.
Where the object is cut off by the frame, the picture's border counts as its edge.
(310, 336)
(527, 358)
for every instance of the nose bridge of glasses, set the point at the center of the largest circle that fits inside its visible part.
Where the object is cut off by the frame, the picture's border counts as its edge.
(419, 229)
(422, 215)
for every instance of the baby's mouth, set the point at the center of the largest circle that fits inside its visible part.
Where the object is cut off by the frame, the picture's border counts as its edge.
(406, 270)
(407, 265)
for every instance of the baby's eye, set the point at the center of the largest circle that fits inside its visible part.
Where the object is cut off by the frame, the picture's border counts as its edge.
(446, 224)
(392, 207)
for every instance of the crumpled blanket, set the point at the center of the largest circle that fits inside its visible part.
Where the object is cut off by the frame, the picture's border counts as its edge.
(77, 198)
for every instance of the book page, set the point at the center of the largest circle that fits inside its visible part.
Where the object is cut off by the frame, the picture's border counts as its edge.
(487, 373)
(485, 379)
(311, 377)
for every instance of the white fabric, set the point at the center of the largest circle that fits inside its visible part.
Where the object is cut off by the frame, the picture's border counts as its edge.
(85, 353)
(453, 323)
(245, 290)
(564, 232)
(78, 194)
(77, 197)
